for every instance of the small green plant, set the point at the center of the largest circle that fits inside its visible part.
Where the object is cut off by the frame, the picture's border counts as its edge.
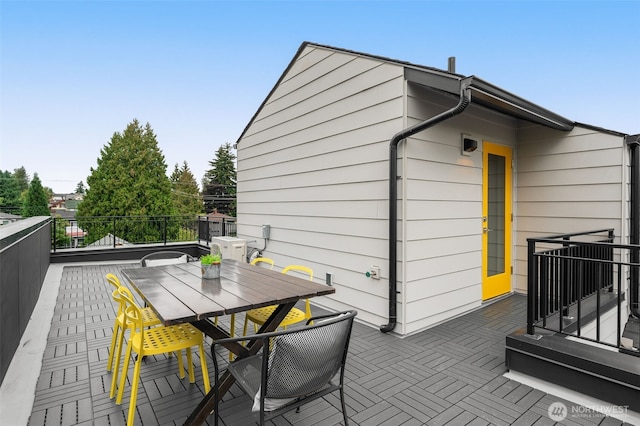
(209, 259)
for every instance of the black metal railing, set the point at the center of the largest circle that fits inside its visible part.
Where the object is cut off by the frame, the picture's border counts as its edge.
(117, 231)
(574, 279)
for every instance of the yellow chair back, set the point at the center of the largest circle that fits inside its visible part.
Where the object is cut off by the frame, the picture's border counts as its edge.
(114, 281)
(263, 260)
(299, 268)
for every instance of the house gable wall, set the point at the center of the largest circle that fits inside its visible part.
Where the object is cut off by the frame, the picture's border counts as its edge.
(313, 164)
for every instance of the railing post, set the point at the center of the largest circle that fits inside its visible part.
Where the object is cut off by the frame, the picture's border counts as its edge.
(531, 286)
(619, 302)
(114, 232)
(164, 231)
(54, 234)
(579, 298)
(208, 234)
(543, 283)
(565, 280)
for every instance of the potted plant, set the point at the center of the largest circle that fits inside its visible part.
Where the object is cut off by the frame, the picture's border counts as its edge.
(210, 264)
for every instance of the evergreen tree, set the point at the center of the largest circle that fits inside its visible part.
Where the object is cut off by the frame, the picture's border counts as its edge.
(36, 202)
(219, 182)
(48, 192)
(185, 192)
(80, 189)
(129, 180)
(23, 180)
(21, 176)
(10, 201)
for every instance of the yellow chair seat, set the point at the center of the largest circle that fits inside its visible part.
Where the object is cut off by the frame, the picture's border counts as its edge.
(160, 340)
(148, 317)
(261, 315)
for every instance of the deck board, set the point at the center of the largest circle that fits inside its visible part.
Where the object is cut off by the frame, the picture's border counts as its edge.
(451, 374)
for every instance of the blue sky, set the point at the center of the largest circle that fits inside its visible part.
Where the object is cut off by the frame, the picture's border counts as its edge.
(73, 73)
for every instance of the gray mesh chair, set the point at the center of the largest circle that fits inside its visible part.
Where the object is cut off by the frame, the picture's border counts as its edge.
(302, 364)
(166, 258)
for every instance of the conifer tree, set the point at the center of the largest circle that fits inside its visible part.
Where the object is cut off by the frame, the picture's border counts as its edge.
(23, 180)
(80, 189)
(36, 203)
(21, 176)
(219, 182)
(185, 191)
(129, 180)
(10, 201)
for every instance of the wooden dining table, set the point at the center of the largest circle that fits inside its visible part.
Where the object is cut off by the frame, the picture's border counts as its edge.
(178, 294)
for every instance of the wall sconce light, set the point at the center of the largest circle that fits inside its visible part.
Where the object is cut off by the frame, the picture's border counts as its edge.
(468, 145)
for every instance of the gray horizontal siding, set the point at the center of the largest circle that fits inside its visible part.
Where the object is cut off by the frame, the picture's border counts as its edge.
(566, 182)
(314, 165)
(443, 261)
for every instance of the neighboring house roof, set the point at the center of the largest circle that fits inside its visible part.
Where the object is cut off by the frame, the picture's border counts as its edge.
(75, 232)
(9, 216)
(107, 240)
(64, 213)
(482, 92)
(72, 204)
(65, 197)
(219, 216)
(6, 218)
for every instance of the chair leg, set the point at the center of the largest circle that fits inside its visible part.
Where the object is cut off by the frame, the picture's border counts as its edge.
(205, 372)
(180, 364)
(116, 370)
(114, 341)
(134, 392)
(192, 376)
(232, 332)
(246, 322)
(125, 370)
(344, 407)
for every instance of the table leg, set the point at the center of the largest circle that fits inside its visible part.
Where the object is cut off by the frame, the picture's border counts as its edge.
(205, 407)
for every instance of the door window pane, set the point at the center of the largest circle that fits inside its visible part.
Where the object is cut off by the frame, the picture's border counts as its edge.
(496, 219)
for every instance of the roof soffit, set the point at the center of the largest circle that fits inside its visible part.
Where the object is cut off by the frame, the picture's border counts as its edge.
(489, 96)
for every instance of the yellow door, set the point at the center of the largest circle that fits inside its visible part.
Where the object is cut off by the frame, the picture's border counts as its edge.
(496, 220)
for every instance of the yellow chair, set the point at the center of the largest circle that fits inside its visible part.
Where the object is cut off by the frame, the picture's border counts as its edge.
(263, 260)
(154, 341)
(149, 317)
(260, 315)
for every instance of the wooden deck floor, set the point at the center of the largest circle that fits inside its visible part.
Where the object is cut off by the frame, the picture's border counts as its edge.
(451, 374)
